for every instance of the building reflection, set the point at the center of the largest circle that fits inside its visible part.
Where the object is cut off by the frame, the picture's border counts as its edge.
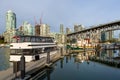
(109, 54)
(67, 59)
(48, 74)
(43, 74)
(81, 57)
(61, 62)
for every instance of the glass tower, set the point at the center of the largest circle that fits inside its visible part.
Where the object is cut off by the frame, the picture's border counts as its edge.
(10, 27)
(10, 20)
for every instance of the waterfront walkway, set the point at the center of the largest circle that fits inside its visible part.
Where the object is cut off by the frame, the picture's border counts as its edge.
(30, 67)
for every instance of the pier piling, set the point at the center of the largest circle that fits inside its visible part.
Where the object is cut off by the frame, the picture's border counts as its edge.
(22, 66)
(48, 57)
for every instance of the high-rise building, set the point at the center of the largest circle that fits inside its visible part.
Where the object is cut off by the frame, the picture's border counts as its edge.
(37, 30)
(61, 29)
(68, 31)
(10, 26)
(27, 28)
(103, 36)
(106, 36)
(59, 38)
(52, 34)
(10, 20)
(78, 28)
(44, 30)
(109, 35)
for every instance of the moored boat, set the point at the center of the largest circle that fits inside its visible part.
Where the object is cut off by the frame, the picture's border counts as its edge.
(32, 47)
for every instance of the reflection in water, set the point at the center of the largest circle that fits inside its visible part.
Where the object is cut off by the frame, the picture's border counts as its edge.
(79, 71)
(81, 57)
(109, 54)
(61, 62)
(70, 57)
(88, 62)
(66, 59)
(61, 51)
(48, 74)
(77, 65)
(4, 58)
(43, 74)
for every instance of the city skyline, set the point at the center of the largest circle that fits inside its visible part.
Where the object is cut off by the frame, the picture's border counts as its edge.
(56, 12)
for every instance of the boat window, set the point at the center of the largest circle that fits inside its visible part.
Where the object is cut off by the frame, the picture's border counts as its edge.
(19, 51)
(21, 39)
(12, 51)
(43, 40)
(33, 39)
(24, 39)
(40, 40)
(37, 40)
(27, 39)
(27, 51)
(49, 40)
(15, 51)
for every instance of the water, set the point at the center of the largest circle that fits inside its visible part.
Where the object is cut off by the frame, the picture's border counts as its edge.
(109, 53)
(4, 58)
(69, 69)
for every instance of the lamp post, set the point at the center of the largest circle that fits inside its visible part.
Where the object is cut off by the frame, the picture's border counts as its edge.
(22, 60)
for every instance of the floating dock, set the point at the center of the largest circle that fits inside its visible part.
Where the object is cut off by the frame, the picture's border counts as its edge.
(30, 67)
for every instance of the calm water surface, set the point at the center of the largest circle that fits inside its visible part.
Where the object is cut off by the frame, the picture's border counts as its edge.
(4, 58)
(69, 69)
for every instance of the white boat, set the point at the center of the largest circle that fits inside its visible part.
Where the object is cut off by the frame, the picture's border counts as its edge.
(33, 47)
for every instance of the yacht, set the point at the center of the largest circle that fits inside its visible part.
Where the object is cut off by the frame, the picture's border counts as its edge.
(32, 47)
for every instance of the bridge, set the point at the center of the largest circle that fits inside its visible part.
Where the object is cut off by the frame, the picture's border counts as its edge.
(94, 33)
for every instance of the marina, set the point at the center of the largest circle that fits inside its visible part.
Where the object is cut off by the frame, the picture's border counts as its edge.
(60, 40)
(70, 69)
(9, 71)
(77, 62)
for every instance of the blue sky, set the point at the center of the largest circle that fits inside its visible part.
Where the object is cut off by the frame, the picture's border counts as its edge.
(56, 12)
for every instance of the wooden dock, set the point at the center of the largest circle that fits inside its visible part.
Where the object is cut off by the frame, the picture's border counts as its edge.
(30, 67)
